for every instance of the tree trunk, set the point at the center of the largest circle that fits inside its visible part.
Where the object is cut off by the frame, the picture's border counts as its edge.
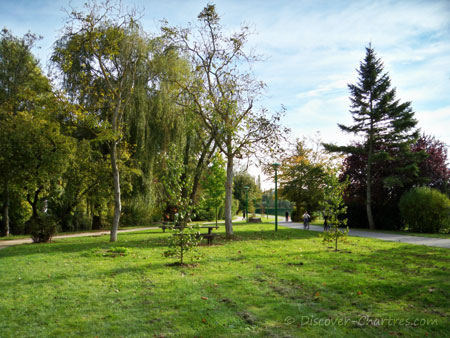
(187, 151)
(336, 240)
(116, 183)
(5, 230)
(229, 197)
(33, 203)
(204, 160)
(369, 188)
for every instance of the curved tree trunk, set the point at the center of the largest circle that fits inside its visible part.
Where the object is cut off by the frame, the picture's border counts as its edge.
(229, 197)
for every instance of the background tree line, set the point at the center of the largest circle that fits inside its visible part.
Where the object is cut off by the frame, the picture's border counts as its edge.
(133, 128)
(390, 161)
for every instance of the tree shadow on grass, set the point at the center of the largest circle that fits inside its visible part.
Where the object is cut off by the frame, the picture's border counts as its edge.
(408, 274)
(271, 235)
(151, 239)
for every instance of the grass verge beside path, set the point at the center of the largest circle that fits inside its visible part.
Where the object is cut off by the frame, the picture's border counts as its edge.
(13, 237)
(260, 284)
(407, 233)
(399, 232)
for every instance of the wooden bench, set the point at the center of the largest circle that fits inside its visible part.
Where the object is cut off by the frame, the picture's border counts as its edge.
(168, 225)
(209, 237)
(254, 220)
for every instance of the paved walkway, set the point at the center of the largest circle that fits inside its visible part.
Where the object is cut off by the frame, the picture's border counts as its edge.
(4, 244)
(428, 241)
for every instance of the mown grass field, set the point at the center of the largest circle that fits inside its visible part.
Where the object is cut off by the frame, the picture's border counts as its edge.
(261, 284)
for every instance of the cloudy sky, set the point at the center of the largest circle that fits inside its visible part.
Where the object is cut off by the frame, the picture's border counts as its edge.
(311, 48)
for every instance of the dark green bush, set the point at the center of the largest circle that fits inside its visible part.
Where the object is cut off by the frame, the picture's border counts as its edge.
(42, 228)
(295, 216)
(425, 210)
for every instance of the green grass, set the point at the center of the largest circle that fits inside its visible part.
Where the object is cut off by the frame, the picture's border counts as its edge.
(261, 284)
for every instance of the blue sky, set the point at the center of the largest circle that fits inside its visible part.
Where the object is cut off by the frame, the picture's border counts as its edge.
(312, 50)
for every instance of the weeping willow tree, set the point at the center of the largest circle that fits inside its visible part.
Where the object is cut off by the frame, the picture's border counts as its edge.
(169, 145)
(183, 149)
(153, 124)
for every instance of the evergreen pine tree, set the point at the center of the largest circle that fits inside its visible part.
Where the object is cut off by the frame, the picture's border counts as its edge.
(386, 125)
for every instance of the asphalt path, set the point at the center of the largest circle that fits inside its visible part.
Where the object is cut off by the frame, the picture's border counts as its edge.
(428, 241)
(5, 244)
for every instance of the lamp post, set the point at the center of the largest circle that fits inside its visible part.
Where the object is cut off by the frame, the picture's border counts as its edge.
(246, 201)
(275, 167)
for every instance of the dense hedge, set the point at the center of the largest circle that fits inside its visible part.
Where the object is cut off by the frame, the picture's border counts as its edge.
(425, 210)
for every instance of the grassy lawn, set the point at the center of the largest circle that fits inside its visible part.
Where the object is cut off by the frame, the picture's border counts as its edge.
(261, 284)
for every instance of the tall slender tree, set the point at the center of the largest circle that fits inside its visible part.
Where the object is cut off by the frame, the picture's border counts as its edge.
(386, 125)
(223, 93)
(100, 56)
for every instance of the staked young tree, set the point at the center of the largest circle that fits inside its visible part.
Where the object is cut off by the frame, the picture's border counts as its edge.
(223, 94)
(387, 127)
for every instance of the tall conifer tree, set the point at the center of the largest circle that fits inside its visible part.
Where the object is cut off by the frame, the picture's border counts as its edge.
(386, 125)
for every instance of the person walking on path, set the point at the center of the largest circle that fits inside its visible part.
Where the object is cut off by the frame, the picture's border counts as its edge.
(287, 216)
(306, 220)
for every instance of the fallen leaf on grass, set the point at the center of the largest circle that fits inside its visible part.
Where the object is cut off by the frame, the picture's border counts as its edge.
(359, 293)
(203, 320)
(204, 298)
(317, 294)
